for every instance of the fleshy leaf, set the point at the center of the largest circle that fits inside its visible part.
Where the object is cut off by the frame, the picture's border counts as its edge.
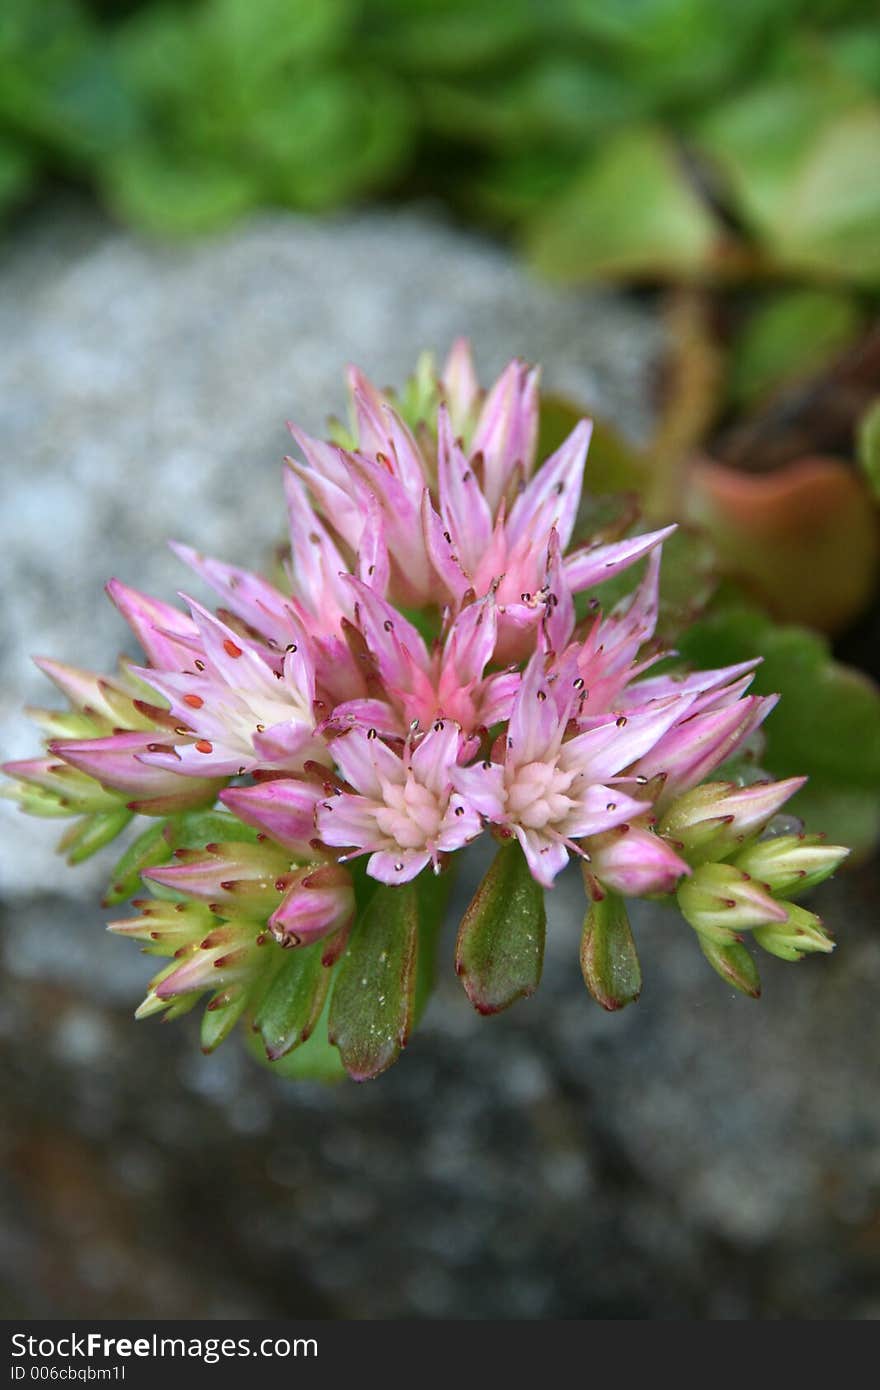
(802, 538)
(220, 1017)
(293, 1004)
(792, 335)
(500, 949)
(592, 228)
(609, 959)
(373, 1003)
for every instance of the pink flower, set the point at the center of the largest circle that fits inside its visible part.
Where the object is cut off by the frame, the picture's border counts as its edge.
(235, 711)
(421, 685)
(403, 809)
(475, 547)
(473, 518)
(550, 790)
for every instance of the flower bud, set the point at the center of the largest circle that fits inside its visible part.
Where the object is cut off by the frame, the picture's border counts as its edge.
(720, 901)
(632, 860)
(711, 821)
(791, 864)
(802, 932)
(318, 900)
(236, 878)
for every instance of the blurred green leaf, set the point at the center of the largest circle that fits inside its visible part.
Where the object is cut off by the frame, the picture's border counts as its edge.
(632, 211)
(149, 187)
(791, 335)
(869, 446)
(802, 158)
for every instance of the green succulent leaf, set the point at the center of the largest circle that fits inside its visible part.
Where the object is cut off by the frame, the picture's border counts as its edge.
(591, 229)
(609, 960)
(294, 1001)
(372, 1008)
(791, 335)
(500, 949)
(316, 1059)
(219, 1019)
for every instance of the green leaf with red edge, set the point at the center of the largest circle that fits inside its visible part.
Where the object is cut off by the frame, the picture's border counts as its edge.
(313, 1060)
(734, 964)
(609, 959)
(289, 1013)
(220, 1018)
(500, 950)
(372, 1009)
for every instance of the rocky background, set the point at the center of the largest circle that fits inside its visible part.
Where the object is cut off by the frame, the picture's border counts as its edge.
(699, 1155)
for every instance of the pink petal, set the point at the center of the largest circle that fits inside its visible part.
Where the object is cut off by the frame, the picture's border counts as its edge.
(536, 728)
(586, 568)
(434, 759)
(156, 625)
(481, 786)
(546, 856)
(364, 762)
(248, 595)
(397, 866)
(552, 497)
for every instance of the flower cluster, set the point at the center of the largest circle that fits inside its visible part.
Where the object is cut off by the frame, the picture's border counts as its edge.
(434, 666)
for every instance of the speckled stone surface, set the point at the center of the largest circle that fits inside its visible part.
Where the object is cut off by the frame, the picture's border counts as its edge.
(698, 1155)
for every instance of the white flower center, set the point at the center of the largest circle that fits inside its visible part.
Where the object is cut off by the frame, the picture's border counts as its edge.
(412, 814)
(536, 797)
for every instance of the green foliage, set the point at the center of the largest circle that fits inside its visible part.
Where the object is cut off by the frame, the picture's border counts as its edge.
(372, 1010)
(609, 960)
(869, 446)
(609, 135)
(788, 336)
(500, 951)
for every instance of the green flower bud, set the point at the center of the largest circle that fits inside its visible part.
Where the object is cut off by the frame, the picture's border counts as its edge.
(802, 932)
(791, 864)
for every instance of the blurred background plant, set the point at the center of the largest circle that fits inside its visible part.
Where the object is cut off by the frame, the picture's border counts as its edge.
(728, 165)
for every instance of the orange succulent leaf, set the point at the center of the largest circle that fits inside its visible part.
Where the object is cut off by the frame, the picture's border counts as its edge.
(803, 539)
